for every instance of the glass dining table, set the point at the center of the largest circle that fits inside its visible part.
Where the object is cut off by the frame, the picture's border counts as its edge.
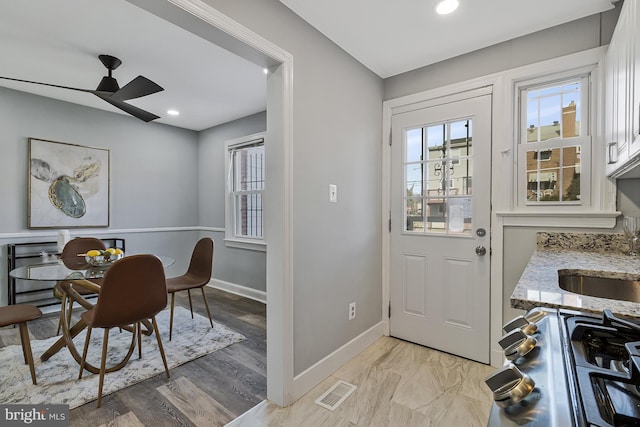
(74, 278)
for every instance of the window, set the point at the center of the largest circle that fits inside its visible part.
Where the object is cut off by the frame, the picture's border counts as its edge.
(554, 130)
(438, 167)
(245, 187)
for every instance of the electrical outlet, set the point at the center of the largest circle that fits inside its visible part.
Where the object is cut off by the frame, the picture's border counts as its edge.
(352, 311)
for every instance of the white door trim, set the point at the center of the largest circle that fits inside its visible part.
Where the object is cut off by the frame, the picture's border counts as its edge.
(278, 216)
(461, 90)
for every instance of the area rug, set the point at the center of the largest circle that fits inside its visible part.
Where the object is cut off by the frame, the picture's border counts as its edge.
(57, 377)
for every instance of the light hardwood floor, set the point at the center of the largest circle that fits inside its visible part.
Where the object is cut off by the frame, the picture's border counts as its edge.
(398, 384)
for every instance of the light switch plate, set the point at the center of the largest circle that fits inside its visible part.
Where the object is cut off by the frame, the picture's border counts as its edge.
(333, 193)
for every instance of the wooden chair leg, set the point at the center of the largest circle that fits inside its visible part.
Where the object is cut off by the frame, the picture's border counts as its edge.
(60, 320)
(160, 347)
(103, 363)
(84, 352)
(173, 300)
(190, 305)
(137, 327)
(206, 304)
(70, 313)
(26, 350)
(63, 303)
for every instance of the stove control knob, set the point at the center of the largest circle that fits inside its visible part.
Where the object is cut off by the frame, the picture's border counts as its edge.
(521, 323)
(516, 344)
(509, 385)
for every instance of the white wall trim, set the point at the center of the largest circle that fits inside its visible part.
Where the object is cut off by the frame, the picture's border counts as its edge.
(502, 157)
(583, 219)
(213, 229)
(240, 421)
(241, 290)
(313, 375)
(104, 231)
(258, 246)
(403, 104)
(279, 218)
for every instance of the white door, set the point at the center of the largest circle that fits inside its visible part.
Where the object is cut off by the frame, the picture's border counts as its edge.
(440, 214)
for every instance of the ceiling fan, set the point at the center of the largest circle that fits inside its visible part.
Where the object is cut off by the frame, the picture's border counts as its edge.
(109, 90)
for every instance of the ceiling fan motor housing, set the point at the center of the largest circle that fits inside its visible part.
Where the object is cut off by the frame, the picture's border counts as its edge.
(108, 84)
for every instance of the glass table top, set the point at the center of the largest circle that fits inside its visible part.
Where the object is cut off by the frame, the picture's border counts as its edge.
(65, 269)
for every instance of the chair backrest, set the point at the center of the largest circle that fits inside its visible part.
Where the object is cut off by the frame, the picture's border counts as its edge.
(201, 263)
(79, 245)
(134, 289)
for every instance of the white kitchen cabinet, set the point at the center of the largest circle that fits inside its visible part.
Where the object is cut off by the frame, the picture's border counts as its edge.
(634, 117)
(622, 96)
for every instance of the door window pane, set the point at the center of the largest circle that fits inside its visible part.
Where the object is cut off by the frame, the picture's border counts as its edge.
(435, 183)
(436, 142)
(414, 179)
(414, 209)
(414, 145)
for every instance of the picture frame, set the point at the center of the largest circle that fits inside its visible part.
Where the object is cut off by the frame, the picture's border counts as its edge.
(68, 185)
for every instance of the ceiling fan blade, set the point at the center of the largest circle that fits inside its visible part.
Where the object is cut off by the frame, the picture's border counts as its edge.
(128, 108)
(137, 88)
(48, 84)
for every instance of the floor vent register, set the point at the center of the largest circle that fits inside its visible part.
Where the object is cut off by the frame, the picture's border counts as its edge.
(337, 394)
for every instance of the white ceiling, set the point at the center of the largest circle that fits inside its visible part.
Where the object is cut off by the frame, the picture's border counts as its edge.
(394, 36)
(58, 42)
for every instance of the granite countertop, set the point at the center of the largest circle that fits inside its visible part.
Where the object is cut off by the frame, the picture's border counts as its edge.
(601, 255)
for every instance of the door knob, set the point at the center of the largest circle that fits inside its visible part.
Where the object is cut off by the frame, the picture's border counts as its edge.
(481, 250)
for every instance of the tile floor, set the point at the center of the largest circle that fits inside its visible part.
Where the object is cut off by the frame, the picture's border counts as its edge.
(398, 384)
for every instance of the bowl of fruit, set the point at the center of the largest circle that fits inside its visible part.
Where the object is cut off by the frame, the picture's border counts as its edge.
(99, 257)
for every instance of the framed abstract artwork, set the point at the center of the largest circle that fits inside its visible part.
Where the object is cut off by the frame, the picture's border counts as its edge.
(68, 185)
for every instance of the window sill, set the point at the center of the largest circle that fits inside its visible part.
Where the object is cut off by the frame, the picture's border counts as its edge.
(560, 219)
(251, 245)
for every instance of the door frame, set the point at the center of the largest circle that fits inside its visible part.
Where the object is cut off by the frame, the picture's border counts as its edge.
(225, 32)
(432, 97)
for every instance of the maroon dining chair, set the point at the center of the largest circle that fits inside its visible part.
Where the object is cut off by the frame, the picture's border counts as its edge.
(71, 260)
(133, 290)
(197, 276)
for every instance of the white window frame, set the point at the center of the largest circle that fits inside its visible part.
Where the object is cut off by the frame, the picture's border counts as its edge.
(584, 141)
(231, 239)
(601, 212)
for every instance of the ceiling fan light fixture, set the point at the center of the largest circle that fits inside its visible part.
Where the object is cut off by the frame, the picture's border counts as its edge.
(445, 7)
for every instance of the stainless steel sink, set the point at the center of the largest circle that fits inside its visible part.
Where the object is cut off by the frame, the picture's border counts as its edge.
(602, 287)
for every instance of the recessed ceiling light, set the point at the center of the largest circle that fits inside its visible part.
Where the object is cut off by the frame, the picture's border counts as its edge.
(173, 112)
(444, 7)
(265, 70)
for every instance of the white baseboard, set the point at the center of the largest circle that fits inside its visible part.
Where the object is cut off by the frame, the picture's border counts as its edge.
(243, 291)
(240, 420)
(314, 375)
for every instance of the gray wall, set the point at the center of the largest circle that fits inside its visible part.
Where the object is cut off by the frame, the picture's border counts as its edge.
(238, 266)
(582, 34)
(336, 140)
(153, 160)
(159, 176)
(153, 181)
